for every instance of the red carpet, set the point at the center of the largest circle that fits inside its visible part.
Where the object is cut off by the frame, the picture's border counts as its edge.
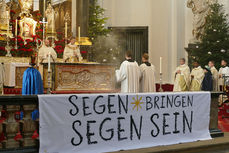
(223, 124)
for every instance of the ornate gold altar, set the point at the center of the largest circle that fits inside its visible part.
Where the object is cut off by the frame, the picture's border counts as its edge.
(81, 77)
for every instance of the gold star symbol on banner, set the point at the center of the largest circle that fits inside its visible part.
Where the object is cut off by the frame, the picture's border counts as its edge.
(137, 102)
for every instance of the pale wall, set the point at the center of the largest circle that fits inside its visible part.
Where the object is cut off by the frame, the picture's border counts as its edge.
(159, 16)
(169, 22)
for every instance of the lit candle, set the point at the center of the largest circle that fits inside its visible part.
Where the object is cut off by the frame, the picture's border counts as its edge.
(44, 22)
(66, 30)
(160, 65)
(49, 62)
(79, 34)
(16, 34)
(8, 24)
(16, 28)
(53, 22)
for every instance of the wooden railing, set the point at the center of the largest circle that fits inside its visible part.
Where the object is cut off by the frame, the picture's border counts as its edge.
(17, 126)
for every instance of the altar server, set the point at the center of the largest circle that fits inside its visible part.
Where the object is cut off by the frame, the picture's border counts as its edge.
(147, 78)
(197, 76)
(44, 51)
(32, 82)
(128, 75)
(182, 77)
(72, 52)
(215, 75)
(223, 71)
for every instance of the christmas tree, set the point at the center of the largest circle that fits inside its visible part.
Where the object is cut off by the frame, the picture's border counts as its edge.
(105, 48)
(214, 43)
(96, 21)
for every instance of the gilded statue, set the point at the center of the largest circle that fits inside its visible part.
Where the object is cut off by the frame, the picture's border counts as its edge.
(67, 17)
(50, 15)
(26, 6)
(4, 15)
(200, 9)
(27, 23)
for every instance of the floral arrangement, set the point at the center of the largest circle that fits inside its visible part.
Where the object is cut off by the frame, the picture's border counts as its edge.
(60, 44)
(26, 48)
(2, 51)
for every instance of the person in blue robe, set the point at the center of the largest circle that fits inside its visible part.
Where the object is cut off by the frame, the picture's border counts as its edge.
(207, 84)
(32, 83)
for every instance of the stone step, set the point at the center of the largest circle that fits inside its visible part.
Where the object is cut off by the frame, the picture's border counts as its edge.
(216, 145)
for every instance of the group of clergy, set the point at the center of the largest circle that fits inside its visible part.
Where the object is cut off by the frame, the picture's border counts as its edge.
(71, 53)
(135, 78)
(200, 79)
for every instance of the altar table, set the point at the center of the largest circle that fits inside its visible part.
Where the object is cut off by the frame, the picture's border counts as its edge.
(80, 77)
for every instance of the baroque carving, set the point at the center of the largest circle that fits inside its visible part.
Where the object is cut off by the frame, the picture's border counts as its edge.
(4, 15)
(27, 27)
(19, 76)
(50, 14)
(83, 77)
(200, 9)
(26, 6)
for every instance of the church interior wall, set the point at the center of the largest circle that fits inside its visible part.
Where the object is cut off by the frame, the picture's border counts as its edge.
(154, 14)
(170, 27)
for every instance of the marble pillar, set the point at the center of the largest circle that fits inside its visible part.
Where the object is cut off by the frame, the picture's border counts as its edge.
(74, 17)
(82, 16)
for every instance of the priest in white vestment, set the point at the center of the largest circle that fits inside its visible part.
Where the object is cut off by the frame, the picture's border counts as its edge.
(215, 75)
(128, 75)
(182, 77)
(72, 52)
(43, 54)
(197, 76)
(147, 78)
(223, 72)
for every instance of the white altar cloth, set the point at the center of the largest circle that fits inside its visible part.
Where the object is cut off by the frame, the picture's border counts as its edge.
(10, 73)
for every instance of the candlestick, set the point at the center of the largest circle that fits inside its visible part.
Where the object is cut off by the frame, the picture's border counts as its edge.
(49, 74)
(49, 62)
(43, 21)
(160, 65)
(66, 30)
(8, 24)
(161, 89)
(52, 23)
(16, 28)
(16, 34)
(79, 34)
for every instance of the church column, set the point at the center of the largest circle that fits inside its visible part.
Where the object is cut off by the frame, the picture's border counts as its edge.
(82, 16)
(172, 50)
(177, 35)
(74, 17)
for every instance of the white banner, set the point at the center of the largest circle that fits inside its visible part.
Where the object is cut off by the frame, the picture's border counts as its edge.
(112, 122)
